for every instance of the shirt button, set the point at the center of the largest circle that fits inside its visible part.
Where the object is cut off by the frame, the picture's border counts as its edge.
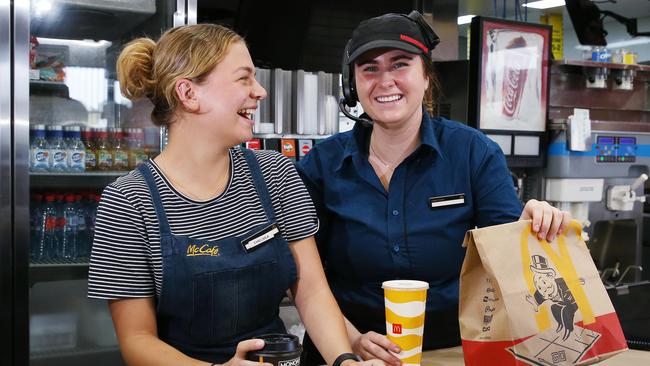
(395, 212)
(396, 248)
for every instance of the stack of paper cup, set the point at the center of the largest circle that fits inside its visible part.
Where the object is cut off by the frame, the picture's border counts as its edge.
(405, 302)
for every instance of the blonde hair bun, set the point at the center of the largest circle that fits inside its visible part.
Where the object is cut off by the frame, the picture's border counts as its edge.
(135, 68)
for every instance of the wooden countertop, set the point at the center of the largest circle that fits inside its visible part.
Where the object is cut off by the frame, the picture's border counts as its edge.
(454, 357)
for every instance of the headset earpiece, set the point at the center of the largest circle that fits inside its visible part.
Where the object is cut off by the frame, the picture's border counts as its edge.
(347, 78)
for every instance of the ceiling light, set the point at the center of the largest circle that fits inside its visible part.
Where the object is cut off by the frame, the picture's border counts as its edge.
(43, 6)
(74, 42)
(465, 19)
(544, 4)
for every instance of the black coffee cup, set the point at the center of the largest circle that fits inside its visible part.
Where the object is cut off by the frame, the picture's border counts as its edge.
(279, 350)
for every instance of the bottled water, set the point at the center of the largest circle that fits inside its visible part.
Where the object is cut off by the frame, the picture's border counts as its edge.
(35, 217)
(57, 149)
(70, 228)
(48, 232)
(82, 227)
(76, 151)
(39, 160)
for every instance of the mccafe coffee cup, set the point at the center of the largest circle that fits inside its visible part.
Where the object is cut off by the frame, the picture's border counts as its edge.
(279, 350)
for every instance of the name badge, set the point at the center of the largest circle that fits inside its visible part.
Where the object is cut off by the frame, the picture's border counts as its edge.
(253, 242)
(451, 200)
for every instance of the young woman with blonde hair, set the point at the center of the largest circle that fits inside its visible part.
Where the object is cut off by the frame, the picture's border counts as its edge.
(195, 249)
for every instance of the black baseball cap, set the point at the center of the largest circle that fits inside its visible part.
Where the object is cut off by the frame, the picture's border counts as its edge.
(391, 30)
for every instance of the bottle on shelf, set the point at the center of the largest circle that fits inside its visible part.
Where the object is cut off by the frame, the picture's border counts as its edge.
(47, 243)
(70, 242)
(88, 141)
(35, 217)
(82, 227)
(67, 132)
(90, 214)
(57, 149)
(103, 151)
(119, 150)
(39, 153)
(137, 154)
(76, 151)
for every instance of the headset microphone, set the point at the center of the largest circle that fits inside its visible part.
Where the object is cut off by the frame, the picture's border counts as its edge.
(342, 104)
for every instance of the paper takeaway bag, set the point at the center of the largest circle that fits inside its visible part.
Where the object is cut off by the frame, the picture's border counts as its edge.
(528, 302)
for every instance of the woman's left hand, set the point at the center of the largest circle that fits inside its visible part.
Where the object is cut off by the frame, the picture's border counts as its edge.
(548, 221)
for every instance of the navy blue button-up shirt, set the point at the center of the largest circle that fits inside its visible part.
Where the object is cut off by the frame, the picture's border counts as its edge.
(369, 235)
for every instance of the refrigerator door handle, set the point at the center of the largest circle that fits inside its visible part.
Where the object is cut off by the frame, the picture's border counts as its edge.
(19, 166)
(6, 267)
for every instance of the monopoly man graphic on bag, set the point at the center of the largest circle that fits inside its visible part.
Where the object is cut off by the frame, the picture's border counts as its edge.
(525, 301)
(548, 287)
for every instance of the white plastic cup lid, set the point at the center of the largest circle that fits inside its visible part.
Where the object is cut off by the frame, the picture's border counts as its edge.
(405, 285)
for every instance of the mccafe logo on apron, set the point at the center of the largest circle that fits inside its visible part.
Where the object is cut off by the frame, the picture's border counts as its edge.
(194, 250)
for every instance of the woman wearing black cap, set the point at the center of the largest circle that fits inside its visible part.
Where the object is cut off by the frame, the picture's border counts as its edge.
(396, 194)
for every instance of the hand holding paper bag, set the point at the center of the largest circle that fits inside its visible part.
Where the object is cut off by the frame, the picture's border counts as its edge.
(524, 300)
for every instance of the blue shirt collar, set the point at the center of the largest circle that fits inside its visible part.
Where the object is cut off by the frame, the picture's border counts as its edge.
(358, 144)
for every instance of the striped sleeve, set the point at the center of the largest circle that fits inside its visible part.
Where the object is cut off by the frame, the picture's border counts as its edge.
(120, 257)
(296, 213)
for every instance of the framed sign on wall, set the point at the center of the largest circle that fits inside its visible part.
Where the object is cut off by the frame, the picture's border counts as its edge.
(508, 86)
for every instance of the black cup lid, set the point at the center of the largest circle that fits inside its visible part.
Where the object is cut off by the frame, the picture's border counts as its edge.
(280, 342)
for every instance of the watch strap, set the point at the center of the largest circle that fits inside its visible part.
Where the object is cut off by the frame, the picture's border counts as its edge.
(346, 356)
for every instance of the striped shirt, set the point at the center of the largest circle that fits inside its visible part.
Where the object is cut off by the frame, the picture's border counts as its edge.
(126, 257)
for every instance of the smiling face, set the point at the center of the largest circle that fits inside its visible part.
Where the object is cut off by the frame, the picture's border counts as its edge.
(391, 84)
(545, 284)
(227, 98)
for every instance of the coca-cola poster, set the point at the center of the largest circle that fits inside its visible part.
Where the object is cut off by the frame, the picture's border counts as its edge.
(513, 76)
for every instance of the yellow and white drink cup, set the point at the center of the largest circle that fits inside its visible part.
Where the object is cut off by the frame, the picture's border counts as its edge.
(405, 302)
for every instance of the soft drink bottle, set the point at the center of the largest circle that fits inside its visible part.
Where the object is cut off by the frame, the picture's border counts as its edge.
(70, 228)
(103, 151)
(137, 153)
(48, 240)
(39, 155)
(88, 141)
(120, 150)
(76, 151)
(57, 149)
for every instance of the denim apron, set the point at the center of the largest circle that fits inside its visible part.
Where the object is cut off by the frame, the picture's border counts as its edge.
(218, 293)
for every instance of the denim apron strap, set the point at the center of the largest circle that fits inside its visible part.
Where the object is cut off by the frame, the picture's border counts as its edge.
(260, 185)
(144, 169)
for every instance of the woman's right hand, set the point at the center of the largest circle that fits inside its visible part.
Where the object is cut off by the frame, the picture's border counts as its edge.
(239, 359)
(374, 345)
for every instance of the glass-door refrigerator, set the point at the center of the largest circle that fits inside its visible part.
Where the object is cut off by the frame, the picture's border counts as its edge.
(65, 133)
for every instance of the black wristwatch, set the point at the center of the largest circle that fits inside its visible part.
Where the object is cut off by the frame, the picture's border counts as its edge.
(346, 356)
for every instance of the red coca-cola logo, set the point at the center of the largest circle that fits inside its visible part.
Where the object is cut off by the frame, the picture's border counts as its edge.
(512, 90)
(514, 77)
